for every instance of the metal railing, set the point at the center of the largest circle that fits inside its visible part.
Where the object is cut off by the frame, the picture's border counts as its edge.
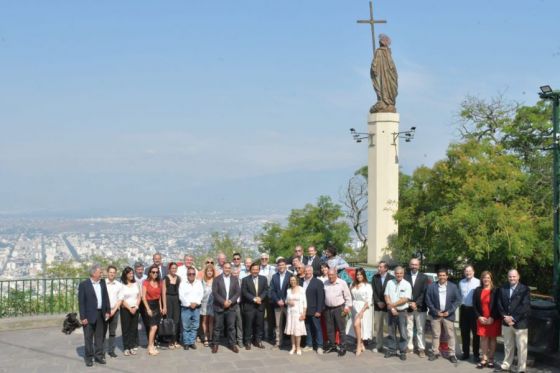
(27, 297)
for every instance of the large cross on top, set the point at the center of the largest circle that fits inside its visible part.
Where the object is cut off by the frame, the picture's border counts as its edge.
(371, 22)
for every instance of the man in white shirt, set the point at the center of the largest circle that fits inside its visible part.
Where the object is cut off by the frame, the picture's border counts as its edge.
(397, 295)
(467, 316)
(268, 271)
(113, 289)
(190, 295)
(188, 262)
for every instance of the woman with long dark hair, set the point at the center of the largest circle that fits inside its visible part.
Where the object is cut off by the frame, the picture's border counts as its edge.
(130, 294)
(171, 305)
(360, 326)
(152, 300)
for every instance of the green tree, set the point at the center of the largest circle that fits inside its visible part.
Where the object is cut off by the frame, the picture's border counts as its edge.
(489, 201)
(225, 243)
(319, 225)
(71, 268)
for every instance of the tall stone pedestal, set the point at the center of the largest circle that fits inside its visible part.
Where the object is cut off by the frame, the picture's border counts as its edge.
(383, 184)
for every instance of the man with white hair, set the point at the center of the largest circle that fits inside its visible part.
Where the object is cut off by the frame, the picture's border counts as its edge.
(95, 309)
(397, 294)
(220, 261)
(188, 262)
(514, 305)
(338, 303)
(268, 271)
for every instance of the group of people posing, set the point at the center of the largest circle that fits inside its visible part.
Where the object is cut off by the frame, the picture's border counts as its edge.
(244, 302)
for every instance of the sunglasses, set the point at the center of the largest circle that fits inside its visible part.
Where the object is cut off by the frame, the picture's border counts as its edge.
(191, 274)
(154, 272)
(208, 262)
(236, 258)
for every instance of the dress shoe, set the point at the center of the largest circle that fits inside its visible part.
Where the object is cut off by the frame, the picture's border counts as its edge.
(433, 357)
(258, 344)
(453, 359)
(100, 361)
(193, 346)
(89, 363)
(464, 357)
(186, 347)
(341, 351)
(402, 356)
(112, 354)
(247, 346)
(235, 349)
(477, 359)
(388, 354)
(214, 349)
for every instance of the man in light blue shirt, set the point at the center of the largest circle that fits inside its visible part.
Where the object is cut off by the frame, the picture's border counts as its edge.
(467, 316)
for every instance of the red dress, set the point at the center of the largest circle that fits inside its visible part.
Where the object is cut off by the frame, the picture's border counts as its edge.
(494, 329)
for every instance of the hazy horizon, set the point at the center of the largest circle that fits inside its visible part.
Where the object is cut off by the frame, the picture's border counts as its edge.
(141, 107)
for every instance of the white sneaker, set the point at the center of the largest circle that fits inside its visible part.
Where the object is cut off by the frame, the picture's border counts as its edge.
(320, 351)
(375, 350)
(307, 349)
(126, 352)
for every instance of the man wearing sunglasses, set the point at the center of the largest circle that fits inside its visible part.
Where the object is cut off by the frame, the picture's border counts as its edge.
(190, 295)
(236, 263)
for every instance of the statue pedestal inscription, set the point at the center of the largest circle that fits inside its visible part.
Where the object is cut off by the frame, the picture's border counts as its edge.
(383, 183)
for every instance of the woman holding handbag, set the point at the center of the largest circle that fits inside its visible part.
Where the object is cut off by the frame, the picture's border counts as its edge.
(171, 306)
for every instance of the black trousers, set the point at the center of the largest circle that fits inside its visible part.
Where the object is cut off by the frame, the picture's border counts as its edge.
(227, 316)
(467, 323)
(270, 321)
(334, 321)
(94, 335)
(129, 328)
(253, 323)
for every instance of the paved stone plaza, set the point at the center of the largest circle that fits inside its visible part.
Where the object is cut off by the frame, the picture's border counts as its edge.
(48, 350)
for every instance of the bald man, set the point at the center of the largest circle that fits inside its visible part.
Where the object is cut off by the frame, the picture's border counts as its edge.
(514, 305)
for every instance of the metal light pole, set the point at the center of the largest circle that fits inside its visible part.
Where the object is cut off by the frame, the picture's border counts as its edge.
(548, 94)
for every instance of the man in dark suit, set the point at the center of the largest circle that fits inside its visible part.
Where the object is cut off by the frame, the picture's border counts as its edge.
(159, 262)
(379, 283)
(416, 307)
(278, 292)
(313, 260)
(443, 298)
(226, 292)
(514, 305)
(315, 296)
(93, 300)
(254, 291)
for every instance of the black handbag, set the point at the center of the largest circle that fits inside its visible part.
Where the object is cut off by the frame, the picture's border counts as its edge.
(166, 327)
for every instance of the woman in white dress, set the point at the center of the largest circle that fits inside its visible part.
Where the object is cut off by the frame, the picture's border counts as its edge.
(295, 318)
(360, 326)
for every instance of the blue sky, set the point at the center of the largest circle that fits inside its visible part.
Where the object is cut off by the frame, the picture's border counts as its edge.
(125, 107)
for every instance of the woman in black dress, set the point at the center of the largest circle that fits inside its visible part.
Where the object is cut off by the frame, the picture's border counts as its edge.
(171, 304)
